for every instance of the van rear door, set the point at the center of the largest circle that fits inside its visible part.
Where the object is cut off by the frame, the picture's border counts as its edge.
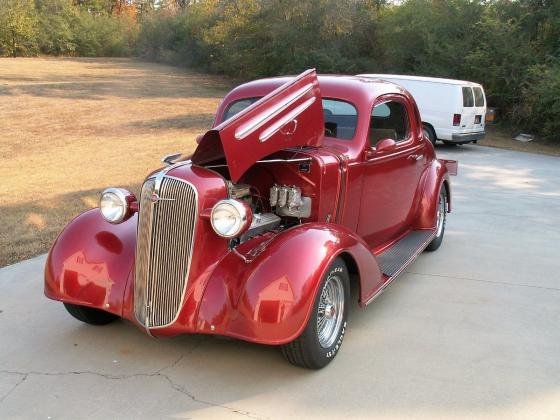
(480, 108)
(469, 112)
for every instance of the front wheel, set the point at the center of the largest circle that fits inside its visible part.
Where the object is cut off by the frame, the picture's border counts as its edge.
(440, 221)
(320, 341)
(90, 315)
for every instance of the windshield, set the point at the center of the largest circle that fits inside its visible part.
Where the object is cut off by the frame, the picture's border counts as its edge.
(340, 117)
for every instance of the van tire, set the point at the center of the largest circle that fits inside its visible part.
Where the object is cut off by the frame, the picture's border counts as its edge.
(429, 132)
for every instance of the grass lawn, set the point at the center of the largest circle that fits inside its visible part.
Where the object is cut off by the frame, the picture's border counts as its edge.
(69, 128)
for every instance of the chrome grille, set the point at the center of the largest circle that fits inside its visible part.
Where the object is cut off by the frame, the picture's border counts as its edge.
(163, 249)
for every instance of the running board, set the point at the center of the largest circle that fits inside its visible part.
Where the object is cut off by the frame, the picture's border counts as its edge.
(394, 259)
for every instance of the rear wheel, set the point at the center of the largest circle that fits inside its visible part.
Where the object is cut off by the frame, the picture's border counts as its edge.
(320, 341)
(90, 315)
(429, 133)
(440, 224)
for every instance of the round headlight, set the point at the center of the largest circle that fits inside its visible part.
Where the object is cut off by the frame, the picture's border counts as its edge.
(230, 218)
(114, 204)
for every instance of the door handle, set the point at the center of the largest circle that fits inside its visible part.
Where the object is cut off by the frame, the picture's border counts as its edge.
(415, 157)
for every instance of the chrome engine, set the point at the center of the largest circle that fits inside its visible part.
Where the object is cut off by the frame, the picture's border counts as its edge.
(288, 201)
(285, 201)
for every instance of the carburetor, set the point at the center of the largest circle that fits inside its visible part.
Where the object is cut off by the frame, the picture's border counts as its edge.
(288, 201)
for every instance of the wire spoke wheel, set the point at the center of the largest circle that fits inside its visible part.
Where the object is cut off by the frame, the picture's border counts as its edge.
(441, 210)
(440, 216)
(324, 331)
(330, 311)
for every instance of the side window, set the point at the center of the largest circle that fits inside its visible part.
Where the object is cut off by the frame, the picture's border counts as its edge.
(478, 96)
(340, 118)
(468, 100)
(389, 120)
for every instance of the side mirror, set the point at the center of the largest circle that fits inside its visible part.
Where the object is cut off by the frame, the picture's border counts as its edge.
(385, 145)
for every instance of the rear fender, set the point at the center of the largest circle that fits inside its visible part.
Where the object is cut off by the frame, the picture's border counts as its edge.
(90, 262)
(263, 291)
(435, 176)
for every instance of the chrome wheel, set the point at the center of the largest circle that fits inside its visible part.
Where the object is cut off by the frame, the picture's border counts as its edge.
(440, 216)
(330, 312)
(324, 331)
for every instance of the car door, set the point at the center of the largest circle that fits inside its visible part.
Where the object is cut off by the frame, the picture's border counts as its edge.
(391, 177)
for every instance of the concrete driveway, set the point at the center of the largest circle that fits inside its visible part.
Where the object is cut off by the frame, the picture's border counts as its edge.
(472, 330)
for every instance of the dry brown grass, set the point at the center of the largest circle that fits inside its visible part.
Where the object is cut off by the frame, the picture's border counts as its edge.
(71, 127)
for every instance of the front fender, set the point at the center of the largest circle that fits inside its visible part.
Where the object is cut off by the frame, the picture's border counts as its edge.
(263, 291)
(90, 262)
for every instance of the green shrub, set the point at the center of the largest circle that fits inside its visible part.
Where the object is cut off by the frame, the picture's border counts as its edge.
(539, 110)
(56, 27)
(102, 35)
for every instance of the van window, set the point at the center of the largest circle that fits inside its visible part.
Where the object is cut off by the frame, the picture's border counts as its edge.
(468, 100)
(388, 120)
(381, 111)
(478, 96)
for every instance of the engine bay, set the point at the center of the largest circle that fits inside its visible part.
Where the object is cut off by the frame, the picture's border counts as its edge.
(279, 191)
(285, 206)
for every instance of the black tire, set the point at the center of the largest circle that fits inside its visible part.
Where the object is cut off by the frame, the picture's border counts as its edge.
(90, 315)
(306, 350)
(442, 210)
(429, 132)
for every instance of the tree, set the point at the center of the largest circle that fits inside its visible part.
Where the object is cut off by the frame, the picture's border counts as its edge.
(56, 26)
(18, 27)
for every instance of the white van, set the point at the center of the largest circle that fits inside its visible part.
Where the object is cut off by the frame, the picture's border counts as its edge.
(452, 110)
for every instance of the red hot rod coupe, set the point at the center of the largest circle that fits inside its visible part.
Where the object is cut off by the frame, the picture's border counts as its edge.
(304, 188)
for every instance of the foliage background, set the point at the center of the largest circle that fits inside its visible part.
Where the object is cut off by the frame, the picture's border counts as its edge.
(512, 47)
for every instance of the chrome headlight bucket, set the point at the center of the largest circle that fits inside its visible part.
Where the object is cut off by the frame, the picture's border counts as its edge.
(230, 218)
(115, 204)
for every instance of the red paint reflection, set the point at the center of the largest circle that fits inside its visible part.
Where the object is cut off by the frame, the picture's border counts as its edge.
(86, 281)
(274, 301)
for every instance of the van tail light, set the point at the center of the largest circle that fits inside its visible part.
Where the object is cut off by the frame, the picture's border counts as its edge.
(456, 119)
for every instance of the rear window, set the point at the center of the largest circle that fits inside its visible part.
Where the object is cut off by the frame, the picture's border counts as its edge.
(468, 100)
(340, 117)
(478, 96)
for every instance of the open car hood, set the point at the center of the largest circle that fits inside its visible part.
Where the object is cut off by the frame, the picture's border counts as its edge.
(290, 116)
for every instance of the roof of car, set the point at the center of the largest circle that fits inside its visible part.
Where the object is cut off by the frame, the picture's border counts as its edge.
(419, 79)
(352, 88)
